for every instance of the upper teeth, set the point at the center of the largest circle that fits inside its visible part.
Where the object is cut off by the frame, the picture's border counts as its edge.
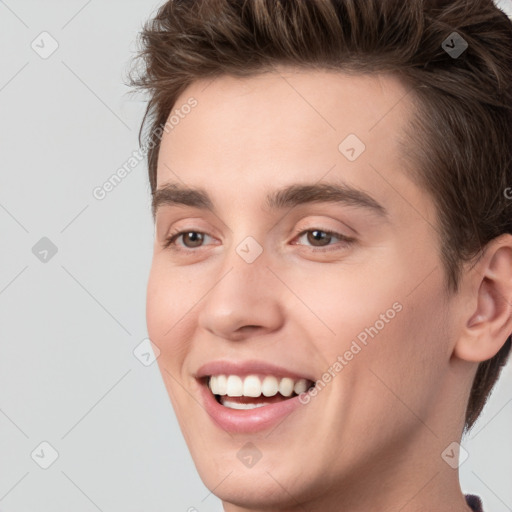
(251, 385)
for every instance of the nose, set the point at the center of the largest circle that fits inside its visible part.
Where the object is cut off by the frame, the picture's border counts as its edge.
(245, 299)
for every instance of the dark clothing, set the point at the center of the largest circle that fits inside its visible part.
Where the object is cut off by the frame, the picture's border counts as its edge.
(474, 502)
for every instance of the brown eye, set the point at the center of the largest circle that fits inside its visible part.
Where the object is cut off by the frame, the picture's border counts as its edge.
(317, 235)
(191, 240)
(194, 237)
(321, 239)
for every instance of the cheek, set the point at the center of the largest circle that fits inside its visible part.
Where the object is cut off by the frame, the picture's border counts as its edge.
(370, 311)
(409, 357)
(169, 304)
(157, 296)
(342, 301)
(170, 294)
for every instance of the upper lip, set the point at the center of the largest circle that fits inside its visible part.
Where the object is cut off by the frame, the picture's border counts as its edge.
(249, 367)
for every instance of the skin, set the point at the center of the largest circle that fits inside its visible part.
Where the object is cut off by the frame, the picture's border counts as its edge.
(372, 439)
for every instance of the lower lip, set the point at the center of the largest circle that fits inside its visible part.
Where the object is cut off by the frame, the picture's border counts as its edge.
(247, 420)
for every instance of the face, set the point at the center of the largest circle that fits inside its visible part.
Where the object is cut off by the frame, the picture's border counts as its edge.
(309, 255)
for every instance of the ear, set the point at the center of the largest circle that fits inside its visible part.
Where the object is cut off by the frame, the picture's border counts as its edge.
(488, 285)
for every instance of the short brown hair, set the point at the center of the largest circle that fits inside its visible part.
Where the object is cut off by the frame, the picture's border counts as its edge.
(459, 138)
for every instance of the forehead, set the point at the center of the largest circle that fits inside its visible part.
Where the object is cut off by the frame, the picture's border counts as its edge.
(285, 126)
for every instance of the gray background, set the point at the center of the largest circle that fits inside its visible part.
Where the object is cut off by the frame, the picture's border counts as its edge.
(70, 324)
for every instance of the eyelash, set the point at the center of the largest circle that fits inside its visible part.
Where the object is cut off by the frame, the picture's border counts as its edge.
(346, 241)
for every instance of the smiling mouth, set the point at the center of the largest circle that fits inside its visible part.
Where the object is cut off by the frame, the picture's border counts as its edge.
(252, 391)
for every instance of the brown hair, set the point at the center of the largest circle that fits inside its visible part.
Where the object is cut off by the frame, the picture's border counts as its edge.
(460, 134)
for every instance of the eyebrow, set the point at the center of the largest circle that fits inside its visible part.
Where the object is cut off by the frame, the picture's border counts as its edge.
(287, 197)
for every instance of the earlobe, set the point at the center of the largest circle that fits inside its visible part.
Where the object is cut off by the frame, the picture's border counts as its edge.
(490, 323)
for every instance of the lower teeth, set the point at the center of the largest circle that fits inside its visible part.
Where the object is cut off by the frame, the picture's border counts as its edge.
(250, 403)
(238, 405)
